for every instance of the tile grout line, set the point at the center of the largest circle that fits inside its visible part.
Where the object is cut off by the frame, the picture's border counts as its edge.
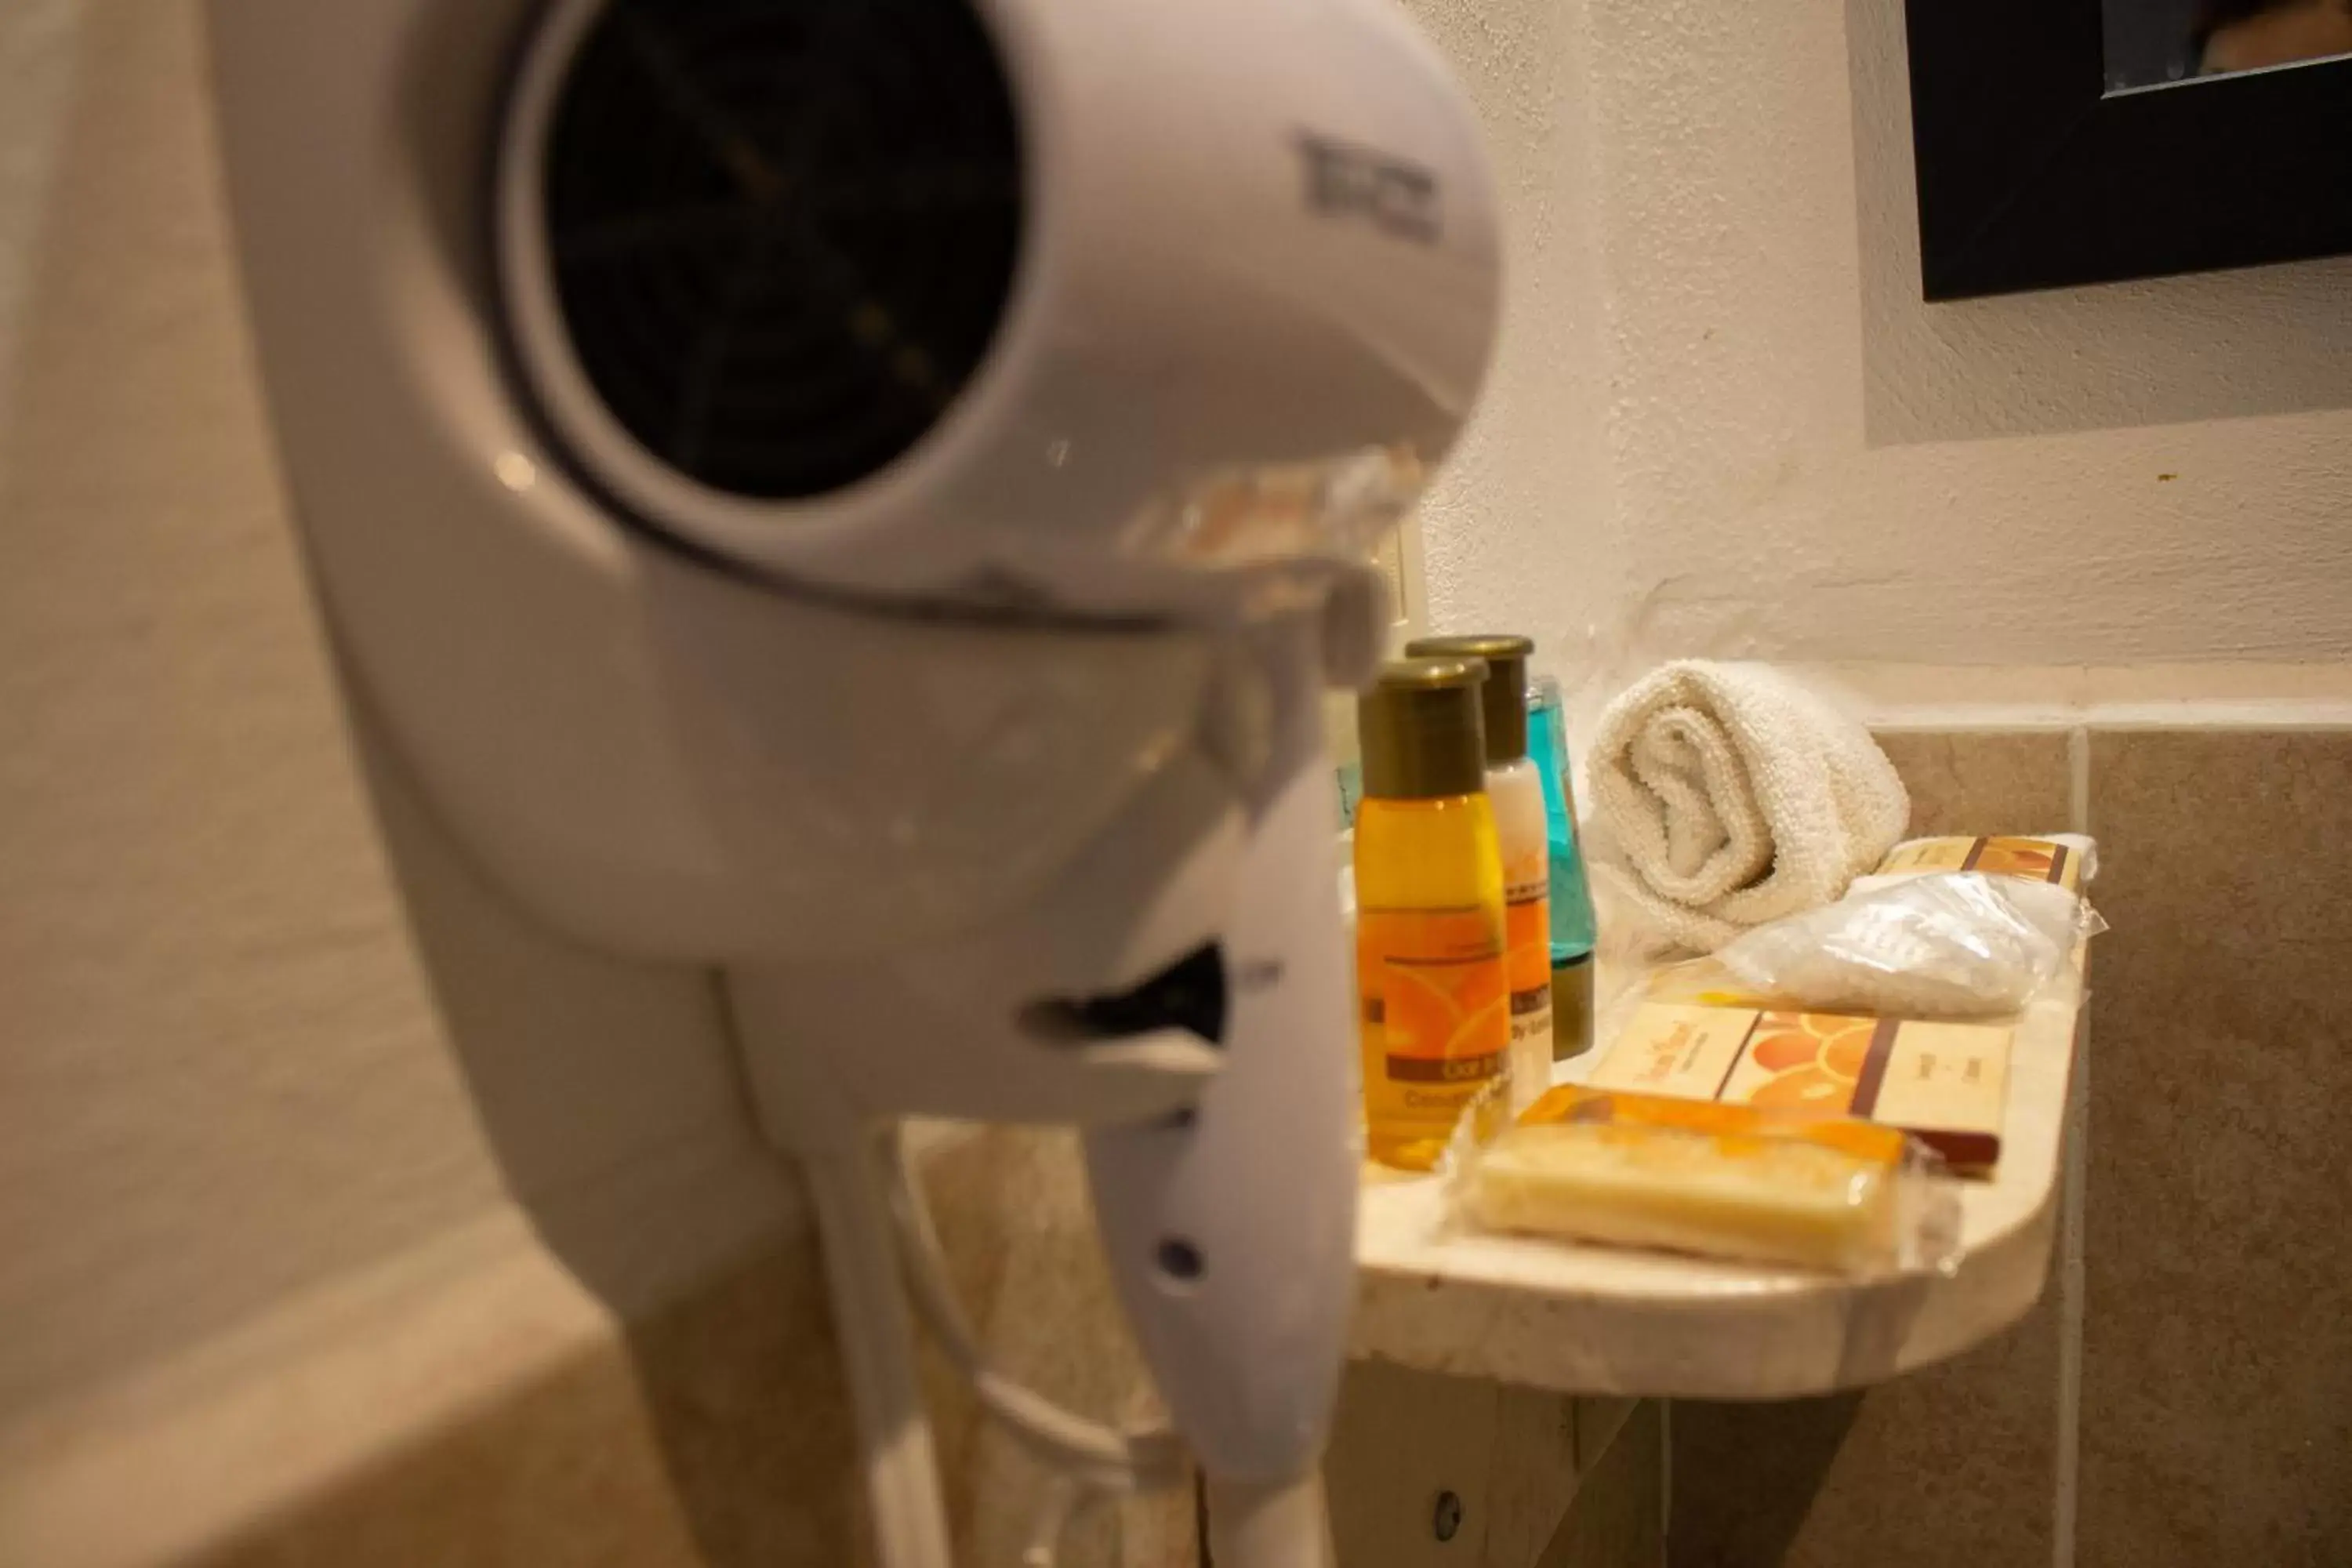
(2066, 1507)
(2078, 778)
(1665, 1473)
(2067, 1511)
(2134, 717)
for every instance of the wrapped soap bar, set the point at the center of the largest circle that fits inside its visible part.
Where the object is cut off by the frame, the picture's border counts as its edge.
(1742, 1183)
(2065, 860)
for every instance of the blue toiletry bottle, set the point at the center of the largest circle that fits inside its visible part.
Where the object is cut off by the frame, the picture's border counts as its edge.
(1572, 937)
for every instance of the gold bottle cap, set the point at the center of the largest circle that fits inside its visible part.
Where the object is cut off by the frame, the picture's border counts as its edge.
(1421, 730)
(1506, 693)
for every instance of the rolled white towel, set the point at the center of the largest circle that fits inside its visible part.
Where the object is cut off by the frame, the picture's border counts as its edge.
(1737, 797)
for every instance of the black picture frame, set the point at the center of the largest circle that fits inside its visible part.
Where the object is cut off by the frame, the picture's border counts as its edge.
(2032, 175)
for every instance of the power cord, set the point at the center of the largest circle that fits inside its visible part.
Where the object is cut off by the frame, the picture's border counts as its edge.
(1093, 1461)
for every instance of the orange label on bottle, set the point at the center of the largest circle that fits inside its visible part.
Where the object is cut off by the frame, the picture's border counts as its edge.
(1434, 992)
(1528, 921)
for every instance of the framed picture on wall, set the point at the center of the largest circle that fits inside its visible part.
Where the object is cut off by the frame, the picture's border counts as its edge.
(2066, 142)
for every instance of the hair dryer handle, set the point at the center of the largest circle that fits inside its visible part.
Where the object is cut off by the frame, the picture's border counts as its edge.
(1231, 1230)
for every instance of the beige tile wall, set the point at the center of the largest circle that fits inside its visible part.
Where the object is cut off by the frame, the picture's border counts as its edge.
(1014, 1215)
(2182, 1396)
(1507, 1459)
(1618, 1520)
(1528, 1478)
(1993, 781)
(714, 1432)
(2217, 1347)
(1954, 1466)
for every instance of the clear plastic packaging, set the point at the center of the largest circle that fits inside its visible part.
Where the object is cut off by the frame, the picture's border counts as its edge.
(1965, 944)
(1738, 1182)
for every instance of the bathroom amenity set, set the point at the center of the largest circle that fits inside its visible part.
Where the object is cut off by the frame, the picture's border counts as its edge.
(1803, 1092)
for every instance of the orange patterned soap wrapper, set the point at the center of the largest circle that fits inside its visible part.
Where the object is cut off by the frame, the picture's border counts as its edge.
(1736, 1127)
(2037, 860)
(1944, 1084)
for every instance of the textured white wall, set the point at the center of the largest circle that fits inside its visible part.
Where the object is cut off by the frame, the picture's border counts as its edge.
(1532, 474)
(226, 1077)
(1726, 423)
(196, 919)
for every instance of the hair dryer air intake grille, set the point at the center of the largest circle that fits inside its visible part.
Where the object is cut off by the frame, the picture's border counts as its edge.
(782, 232)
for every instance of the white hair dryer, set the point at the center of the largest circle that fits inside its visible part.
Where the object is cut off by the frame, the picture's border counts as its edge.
(866, 494)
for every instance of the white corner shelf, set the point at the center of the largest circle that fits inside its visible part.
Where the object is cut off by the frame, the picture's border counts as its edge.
(1597, 1321)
